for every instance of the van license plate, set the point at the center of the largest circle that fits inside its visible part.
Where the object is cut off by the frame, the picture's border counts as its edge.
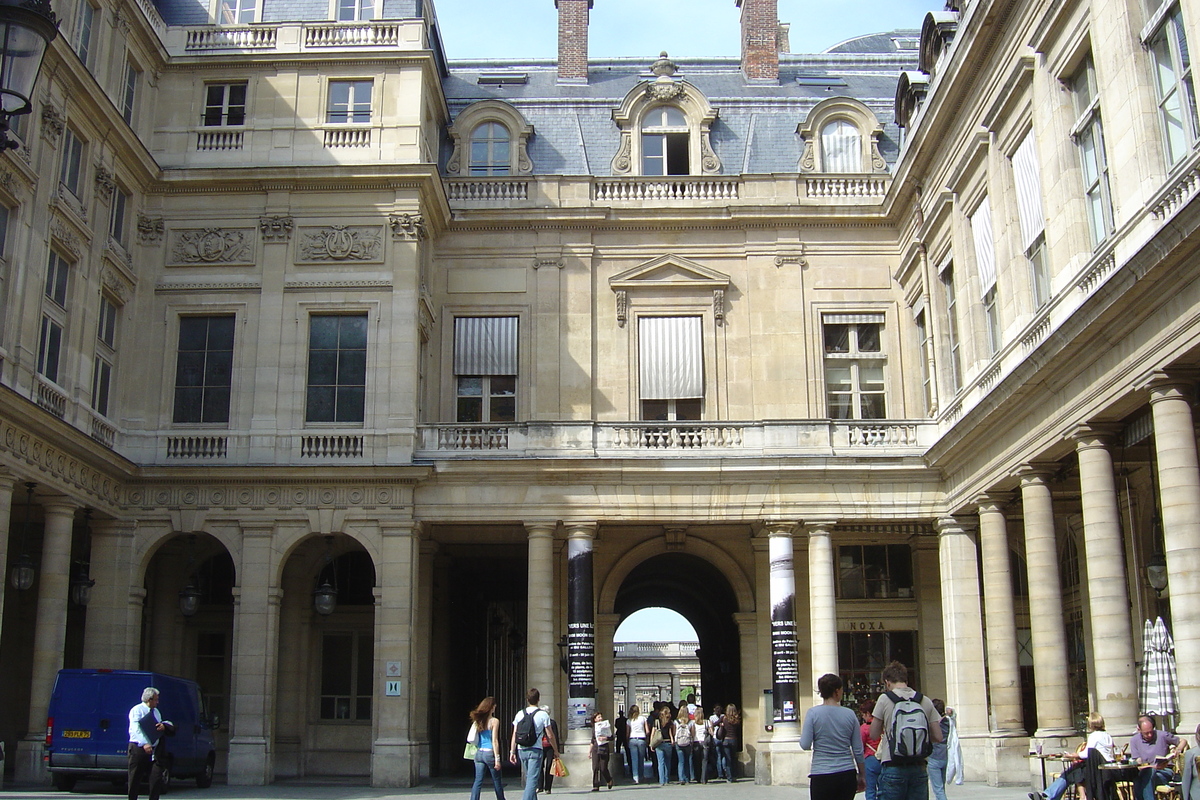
(77, 734)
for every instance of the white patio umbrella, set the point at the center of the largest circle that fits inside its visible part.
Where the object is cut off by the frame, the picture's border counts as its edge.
(1159, 688)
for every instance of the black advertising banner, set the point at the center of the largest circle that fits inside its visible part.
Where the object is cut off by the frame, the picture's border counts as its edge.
(785, 662)
(581, 631)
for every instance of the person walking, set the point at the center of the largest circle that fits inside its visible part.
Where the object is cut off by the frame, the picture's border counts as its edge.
(685, 735)
(598, 751)
(486, 728)
(831, 731)
(936, 765)
(904, 776)
(702, 746)
(637, 743)
(146, 728)
(547, 784)
(663, 743)
(621, 735)
(526, 745)
(873, 767)
(728, 736)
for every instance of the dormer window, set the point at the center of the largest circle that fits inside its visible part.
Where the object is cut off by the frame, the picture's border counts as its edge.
(665, 142)
(841, 146)
(491, 148)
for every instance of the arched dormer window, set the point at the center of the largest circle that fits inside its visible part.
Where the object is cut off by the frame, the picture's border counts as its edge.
(841, 135)
(490, 138)
(937, 34)
(841, 146)
(491, 147)
(665, 128)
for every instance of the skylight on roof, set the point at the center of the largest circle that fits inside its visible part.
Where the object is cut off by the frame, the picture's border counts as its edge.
(808, 79)
(503, 78)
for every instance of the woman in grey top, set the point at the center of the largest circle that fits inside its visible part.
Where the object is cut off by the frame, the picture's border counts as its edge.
(831, 731)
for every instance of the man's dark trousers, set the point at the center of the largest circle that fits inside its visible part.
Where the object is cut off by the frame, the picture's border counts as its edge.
(139, 764)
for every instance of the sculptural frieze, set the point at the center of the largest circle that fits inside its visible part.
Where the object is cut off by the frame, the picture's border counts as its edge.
(341, 243)
(212, 246)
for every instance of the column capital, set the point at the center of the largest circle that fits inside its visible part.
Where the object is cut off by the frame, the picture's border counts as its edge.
(949, 526)
(986, 502)
(781, 527)
(1181, 381)
(59, 504)
(1035, 473)
(541, 529)
(820, 527)
(1092, 435)
(581, 530)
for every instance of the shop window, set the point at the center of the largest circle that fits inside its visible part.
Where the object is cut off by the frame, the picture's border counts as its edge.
(212, 672)
(875, 571)
(346, 675)
(863, 655)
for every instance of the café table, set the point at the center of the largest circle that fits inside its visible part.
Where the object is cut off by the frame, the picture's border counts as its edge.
(1121, 775)
(1066, 758)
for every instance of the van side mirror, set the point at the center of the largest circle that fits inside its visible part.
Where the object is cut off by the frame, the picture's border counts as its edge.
(214, 721)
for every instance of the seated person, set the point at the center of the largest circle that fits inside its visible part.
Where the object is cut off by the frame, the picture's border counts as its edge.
(1150, 748)
(1100, 740)
(1190, 788)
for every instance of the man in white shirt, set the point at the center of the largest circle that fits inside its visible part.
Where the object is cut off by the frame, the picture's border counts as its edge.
(145, 729)
(530, 755)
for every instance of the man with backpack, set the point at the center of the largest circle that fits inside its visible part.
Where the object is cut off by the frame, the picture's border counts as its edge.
(528, 728)
(908, 727)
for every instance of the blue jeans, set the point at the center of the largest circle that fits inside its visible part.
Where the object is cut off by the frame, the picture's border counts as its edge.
(637, 758)
(1146, 780)
(485, 763)
(873, 768)
(725, 759)
(663, 751)
(937, 779)
(903, 782)
(531, 762)
(684, 757)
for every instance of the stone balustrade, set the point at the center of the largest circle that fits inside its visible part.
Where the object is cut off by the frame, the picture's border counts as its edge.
(219, 139)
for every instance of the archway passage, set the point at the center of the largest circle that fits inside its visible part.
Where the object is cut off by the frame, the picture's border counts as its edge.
(696, 589)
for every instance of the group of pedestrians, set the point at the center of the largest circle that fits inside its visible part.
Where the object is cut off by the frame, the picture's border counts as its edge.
(896, 752)
(685, 738)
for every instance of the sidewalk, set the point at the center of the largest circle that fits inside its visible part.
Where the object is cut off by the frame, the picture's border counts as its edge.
(442, 789)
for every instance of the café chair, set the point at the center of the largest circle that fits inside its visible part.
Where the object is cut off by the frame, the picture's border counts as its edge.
(1170, 791)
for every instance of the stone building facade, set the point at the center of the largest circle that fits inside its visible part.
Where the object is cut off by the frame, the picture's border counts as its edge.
(883, 352)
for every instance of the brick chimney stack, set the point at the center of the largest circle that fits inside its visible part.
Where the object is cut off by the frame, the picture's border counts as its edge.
(573, 40)
(760, 40)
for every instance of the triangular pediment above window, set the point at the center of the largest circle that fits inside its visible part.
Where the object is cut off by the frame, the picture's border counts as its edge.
(669, 270)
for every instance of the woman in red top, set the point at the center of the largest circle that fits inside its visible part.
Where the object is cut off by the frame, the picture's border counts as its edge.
(869, 746)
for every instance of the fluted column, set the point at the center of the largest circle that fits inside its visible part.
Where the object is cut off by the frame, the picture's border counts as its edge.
(540, 662)
(1179, 492)
(785, 667)
(50, 633)
(1046, 606)
(962, 624)
(1115, 680)
(822, 599)
(1004, 675)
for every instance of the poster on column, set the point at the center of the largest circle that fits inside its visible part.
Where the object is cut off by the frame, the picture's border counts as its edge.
(581, 630)
(785, 664)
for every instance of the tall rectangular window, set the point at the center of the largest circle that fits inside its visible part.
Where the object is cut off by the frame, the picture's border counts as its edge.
(854, 366)
(132, 77)
(337, 367)
(349, 101)
(238, 12)
(118, 224)
(85, 17)
(985, 262)
(1027, 175)
(71, 169)
(352, 10)
(6, 214)
(50, 348)
(58, 272)
(225, 104)
(926, 356)
(671, 368)
(485, 369)
(102, 370)
(666, 141)
(1088, 133)
(106, 330)
(346, 670)
(952, 337)
(1173, 84)
(204, 369)
(101, 385)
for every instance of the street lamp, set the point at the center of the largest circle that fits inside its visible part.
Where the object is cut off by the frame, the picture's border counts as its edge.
(325, 595)
(26, 28)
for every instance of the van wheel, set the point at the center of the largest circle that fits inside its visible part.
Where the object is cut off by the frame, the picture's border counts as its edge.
(204, 779)
(63, 782)
(165, 781)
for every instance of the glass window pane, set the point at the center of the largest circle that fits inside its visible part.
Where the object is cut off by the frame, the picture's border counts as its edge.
(470, 386)
(351, 402)
(189, 370)
(220, 333)
(216, 404)
(872, 406)
(868, 338)
(352, 367)
(654, 410)
(838, 378)
(323, 332)
(503, 385)
(337, 652)
(470, 409)
(219, 368)
(688, 409)
(320, 403)
(837, 338)
(503, 409)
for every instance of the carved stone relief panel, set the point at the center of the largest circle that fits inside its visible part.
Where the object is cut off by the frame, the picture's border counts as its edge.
(341, 243)
(211, 246)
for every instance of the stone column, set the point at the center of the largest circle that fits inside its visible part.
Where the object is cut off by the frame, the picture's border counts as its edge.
(822, 599)
(255, 645)
(785, 668)
(1179, 492)
(1004, 676)
(50, 633)
(540, 660)
(606, 679)
(1115, 680)
(7, 484)
(676, 687)
(422, 678)
(754, 706)
(1045, 602)
(114, 615)
(395, 756)
(966, 690)
(581, 633)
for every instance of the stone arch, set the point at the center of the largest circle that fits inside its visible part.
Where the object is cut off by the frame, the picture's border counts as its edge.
(476, 114)
(150, 541)
(838, 109)
(721, 560)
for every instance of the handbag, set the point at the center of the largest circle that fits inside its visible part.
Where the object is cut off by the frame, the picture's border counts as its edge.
(558, 769)
(656, 735)
(471, 749)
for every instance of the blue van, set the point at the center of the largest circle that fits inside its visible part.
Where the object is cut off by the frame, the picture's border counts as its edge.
(87, 726)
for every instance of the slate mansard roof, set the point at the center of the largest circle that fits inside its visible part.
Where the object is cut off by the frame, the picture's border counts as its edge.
(756, 128)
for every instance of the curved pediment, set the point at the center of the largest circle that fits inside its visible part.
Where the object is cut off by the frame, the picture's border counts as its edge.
(669, 270)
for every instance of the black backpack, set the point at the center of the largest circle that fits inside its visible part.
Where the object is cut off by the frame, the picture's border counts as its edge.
(908, 736)
(526, 730)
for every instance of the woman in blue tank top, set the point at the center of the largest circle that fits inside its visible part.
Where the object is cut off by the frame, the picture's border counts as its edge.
(485, 729)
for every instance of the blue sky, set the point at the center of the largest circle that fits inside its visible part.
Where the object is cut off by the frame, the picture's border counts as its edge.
(655, 625)
(528, 28)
